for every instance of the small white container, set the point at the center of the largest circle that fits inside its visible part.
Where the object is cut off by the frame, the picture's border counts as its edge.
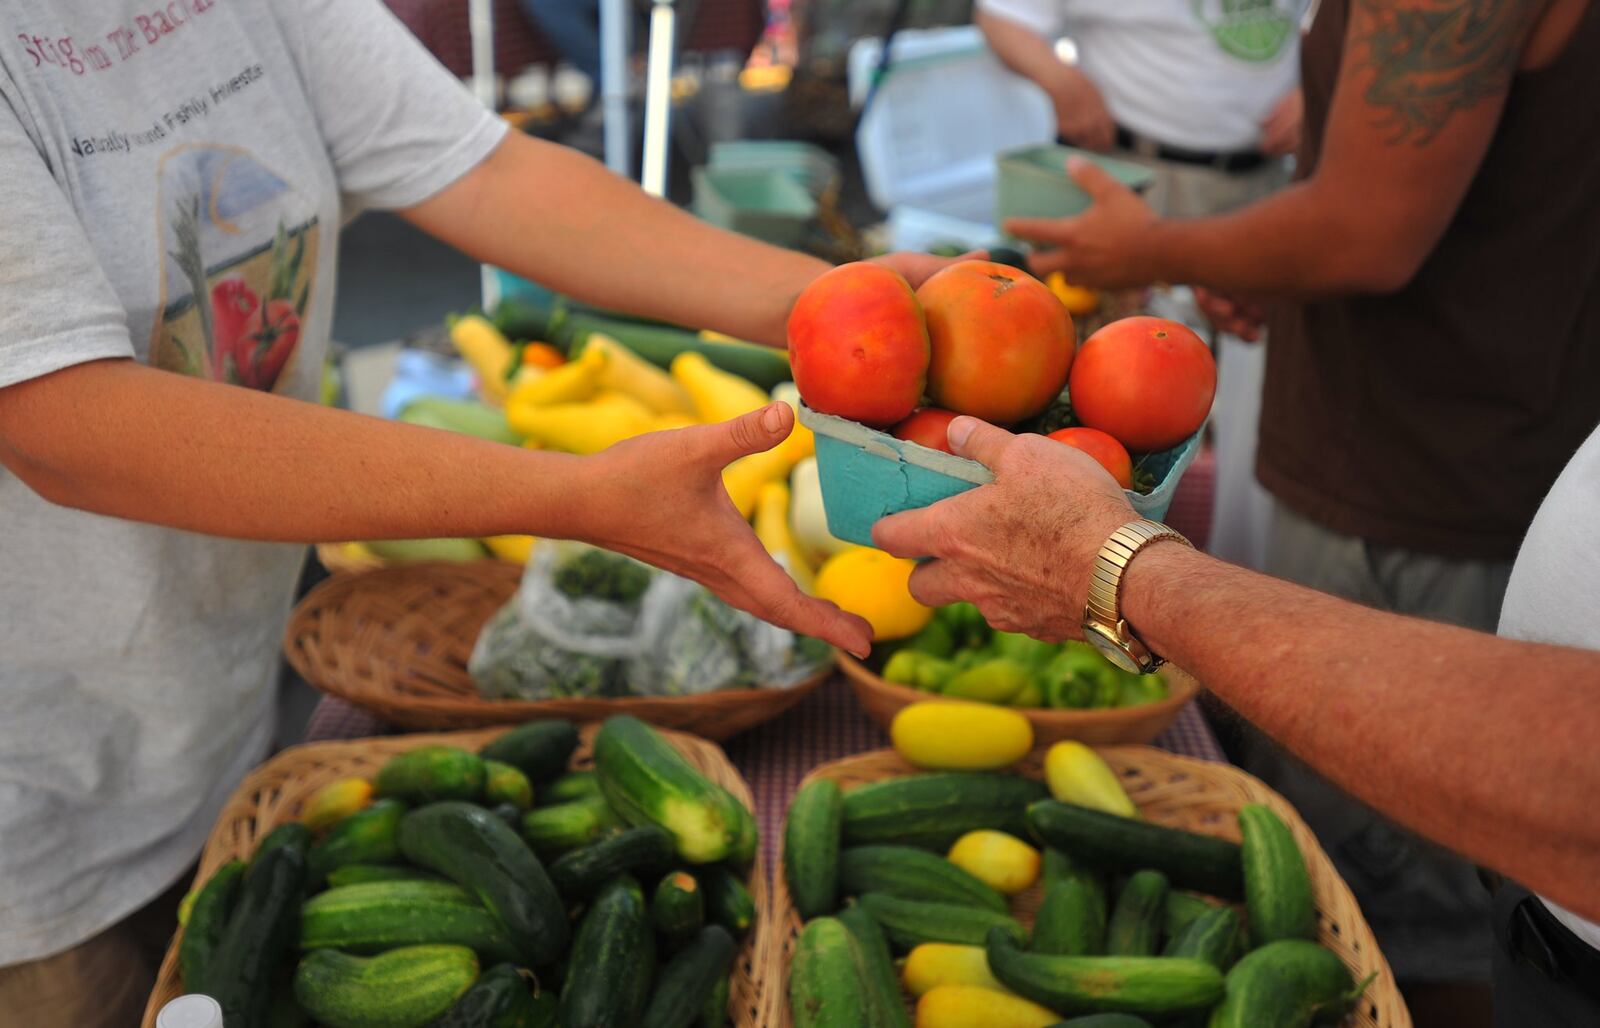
(191, 1011)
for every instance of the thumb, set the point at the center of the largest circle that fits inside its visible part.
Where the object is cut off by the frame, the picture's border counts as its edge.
(759, 430)
(1095, 180)
(978, 440)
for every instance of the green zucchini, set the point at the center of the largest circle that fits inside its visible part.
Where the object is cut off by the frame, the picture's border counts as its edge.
(1103, 1021)
(1287, 984)
(728, 902)
(510, 814)
(467, 417)
(290, 833)
(581, 873)
(715, 1013)
(1113, 843)
(1277, 887)
(909, 923)
(475, 849)
(365, 837)
(503, 783)
(828, 985)
(811, 847)
(931, 811)
(877, 964)
(678, 910)
(207, 918)
(259, 937)
(914, 874)
(552, 831)
(689, 979)
(1183, 909)
(402, 988)
(608, 979)
(1086, 985)
(1135, 926)
(574, 785)
(647, 781)
(500, 998)
(377, 916)
(431, 773)
(356, 874)
(539, 749)
(1071, 920)
(1212, 937)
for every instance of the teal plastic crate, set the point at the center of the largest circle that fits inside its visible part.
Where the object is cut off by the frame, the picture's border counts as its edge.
(761, 202)
(1033, 181)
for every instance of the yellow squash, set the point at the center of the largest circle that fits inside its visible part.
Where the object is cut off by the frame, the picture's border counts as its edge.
(1001, 860)
(335, 801)
(772, 528)
(514, 549)
(744, 477)
(970, 1006)
(933, 964)
(716, 394)
(959, 736)
(573, 382)
(584, 428)
(1077, 774)
(486, 350)
(802, 442)
(626, 372)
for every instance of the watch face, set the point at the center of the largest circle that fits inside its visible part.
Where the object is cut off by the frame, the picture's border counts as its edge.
(1099, 637)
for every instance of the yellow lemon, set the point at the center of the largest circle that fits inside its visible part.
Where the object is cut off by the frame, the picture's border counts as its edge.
(874, 585)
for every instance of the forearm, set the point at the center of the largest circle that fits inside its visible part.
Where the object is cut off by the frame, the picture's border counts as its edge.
(1483, 744)
(555, 216)
(1024, 52)
(125, 440)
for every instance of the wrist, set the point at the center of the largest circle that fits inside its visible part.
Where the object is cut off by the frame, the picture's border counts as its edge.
(1153, 574)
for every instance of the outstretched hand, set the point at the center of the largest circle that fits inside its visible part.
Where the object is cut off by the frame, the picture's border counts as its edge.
(659, 498)
(1101, 247)
(1022, 548)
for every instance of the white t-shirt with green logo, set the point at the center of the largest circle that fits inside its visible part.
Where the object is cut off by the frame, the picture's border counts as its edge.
(1199, 74)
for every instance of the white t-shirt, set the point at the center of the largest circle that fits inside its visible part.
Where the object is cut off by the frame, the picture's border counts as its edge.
(1554, 593)
(173, 177)
(1181, 72)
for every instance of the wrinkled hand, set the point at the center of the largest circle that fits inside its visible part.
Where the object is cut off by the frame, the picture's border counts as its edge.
(1242, 318)
(1280, 132)
(659, 498)
(1081, 114)
(1021, 548)
(1103, 246)
(917, 268)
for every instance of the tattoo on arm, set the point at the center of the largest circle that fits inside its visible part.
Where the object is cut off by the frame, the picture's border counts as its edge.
(1432, 58)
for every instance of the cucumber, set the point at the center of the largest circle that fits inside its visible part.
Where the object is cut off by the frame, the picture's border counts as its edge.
(581, 873)
(909, 923)
(291, 833)
(678, 910)
(1135, 926)
(608, 978)
(1277, 887)
(1183, 909)
(1287, 984)
(1087, 985)
(728, 902)
(689, 979)
(574, 785)
(1071, 920)
(552, 831)
(356, 874)
(811, 847)
(500, 998)
(365, 837)
(646, 781)
(715, 1013)
(934, 810)
(539, 749)
(1113, 843)
(503, 783)
(402, 988)
(475, 849)
(402, 551)
(510, 814)
(1104, 1021)
(375, 916)
(430, 773)
(914, 874)
(207, 919)
(1212, 937)
(259, 937)
(828, 985)
(878, 965)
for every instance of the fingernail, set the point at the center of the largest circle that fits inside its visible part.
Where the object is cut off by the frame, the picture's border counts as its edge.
(960, 429)
(772, 418)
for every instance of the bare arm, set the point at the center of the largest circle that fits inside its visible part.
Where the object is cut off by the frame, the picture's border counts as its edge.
(1483, 744)
(1081, 113)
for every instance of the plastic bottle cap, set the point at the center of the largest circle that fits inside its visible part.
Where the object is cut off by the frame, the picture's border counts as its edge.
(193, 1011)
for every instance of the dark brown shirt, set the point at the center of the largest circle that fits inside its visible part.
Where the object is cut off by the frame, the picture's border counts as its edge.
(1437, 417)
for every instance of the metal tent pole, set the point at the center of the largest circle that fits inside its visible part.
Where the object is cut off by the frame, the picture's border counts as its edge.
(615, 16)
(658, 98)
(480, 25)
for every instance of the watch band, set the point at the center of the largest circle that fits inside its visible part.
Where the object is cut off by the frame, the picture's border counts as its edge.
(1105, 581)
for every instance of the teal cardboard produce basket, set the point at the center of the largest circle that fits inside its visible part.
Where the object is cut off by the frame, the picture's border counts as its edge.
(1033, 182)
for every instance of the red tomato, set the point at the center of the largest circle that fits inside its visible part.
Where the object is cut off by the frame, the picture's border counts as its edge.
(858, 345)
(1103, 448)
(929, 426)
(1147, 381)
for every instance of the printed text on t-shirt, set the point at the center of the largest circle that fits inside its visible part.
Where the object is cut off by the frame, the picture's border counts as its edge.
(122, 42)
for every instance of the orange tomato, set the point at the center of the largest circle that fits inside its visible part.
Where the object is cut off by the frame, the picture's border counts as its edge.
(858, 345)
(1148, 382)
(929, 426)
(1112, 455)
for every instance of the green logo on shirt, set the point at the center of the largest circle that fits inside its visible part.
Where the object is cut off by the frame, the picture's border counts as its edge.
(1251, 30)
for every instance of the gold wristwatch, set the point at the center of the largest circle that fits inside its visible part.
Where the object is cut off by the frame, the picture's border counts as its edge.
(1103, 624)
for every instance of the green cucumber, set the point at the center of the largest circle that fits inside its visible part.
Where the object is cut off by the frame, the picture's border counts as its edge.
(1287, 984)
(1086, 985)
(931, 811)
(574, 785)
(207, 918)
(1212, 937)
(581, 873)
(402, 988)
(1277, 887)
(715, 1013)
(689, 979)
(613, 955)
(647, 781)
(500, 998)
(728, 902)
(811, 847)
(828, 985)
(552, 831)
(259, 937)
(356, 874)
(510, 814)
(539, 749)
(375, 916)
(1135, 926)
(503, 783)
(430, 773)
(1183, 909)
(678, 910)
(1071, 920)
(1103, 1021)
(1114, 843)
(365, 837)
(475, 849)
(877, 963)
(291, 833)
(914, 874)
(910, 923)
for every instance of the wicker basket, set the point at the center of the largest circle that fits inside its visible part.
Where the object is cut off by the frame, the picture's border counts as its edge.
(396, 641)
(273, 792)
(882, 700)
(1196, 795)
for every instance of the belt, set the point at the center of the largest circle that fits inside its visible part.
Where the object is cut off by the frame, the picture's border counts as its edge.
(1536, 937)
(1234, 162)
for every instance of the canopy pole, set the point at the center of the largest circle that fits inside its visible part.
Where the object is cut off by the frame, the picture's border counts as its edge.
(658, 98)
(480, 26)
(614, 26)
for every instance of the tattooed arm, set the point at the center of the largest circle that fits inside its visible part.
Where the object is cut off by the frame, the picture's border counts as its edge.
(1418, 98)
